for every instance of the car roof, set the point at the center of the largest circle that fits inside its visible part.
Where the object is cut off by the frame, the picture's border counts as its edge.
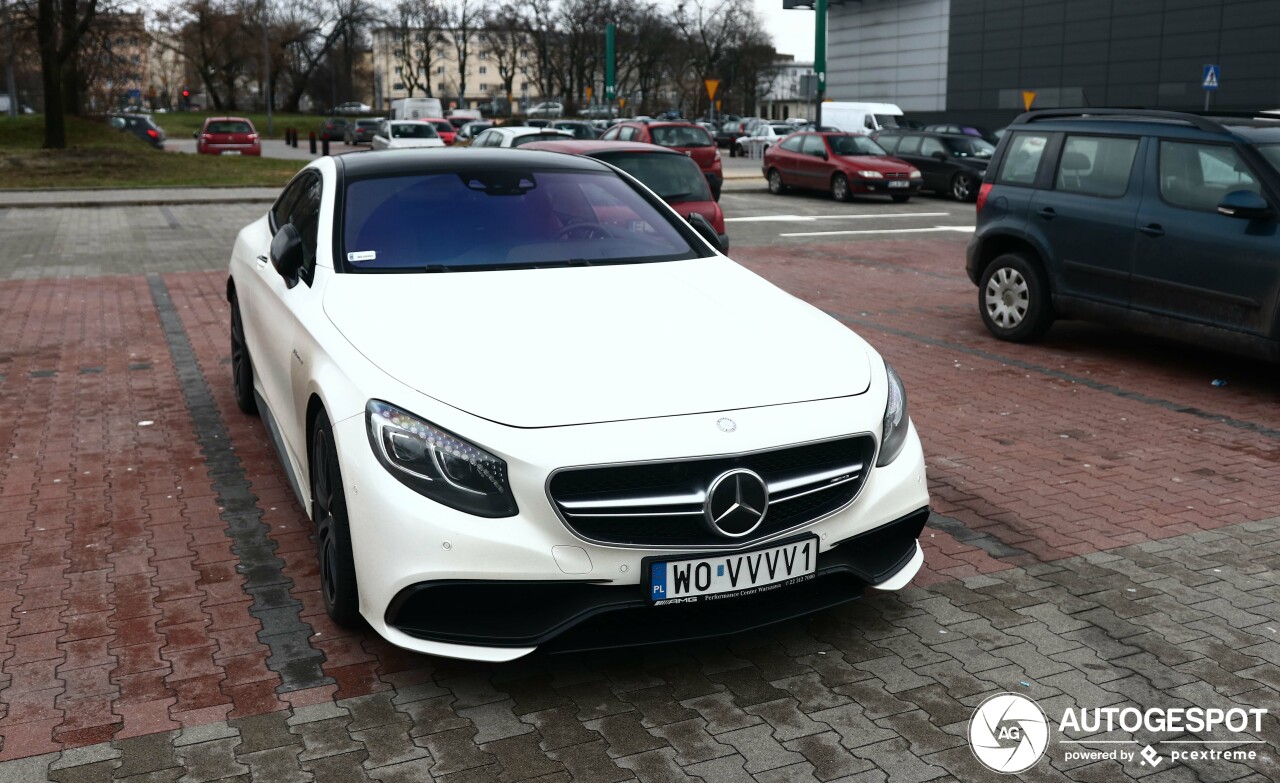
(369, 164)
(228, 119)
(586, 147)
(526, 130)
(1171, 124)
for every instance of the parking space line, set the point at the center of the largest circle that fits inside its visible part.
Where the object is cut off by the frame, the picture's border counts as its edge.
(812, 218)
(961, 229)
(294, 655)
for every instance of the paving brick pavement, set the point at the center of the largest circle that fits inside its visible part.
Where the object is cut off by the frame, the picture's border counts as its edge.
(1063, 564)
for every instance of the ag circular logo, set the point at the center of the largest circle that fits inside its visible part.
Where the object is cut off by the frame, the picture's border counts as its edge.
(1008, 733)
(736, 503)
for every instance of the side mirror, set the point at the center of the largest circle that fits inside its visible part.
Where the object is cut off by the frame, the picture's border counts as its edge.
(939, 156)
(286, 253)
(1244, 204)
(706, 230)
(195, 134)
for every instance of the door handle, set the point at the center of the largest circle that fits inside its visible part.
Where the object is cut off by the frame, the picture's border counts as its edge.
(262, 261)
(1047, 213)
(1153, 230)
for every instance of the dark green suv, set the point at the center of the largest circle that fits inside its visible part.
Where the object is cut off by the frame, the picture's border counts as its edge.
(1155, 220)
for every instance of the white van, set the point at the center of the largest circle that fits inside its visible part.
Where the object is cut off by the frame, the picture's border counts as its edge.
(416, 109)
(853, 117)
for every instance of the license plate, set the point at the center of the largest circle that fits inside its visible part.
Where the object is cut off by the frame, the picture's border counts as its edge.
(733, 575)
(231, 152)
(899, 183)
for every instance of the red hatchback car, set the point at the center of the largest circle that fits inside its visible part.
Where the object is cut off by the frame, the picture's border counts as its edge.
(692, 140)
(676, 179)
(448, 133)
(228, 136)
(843, 163)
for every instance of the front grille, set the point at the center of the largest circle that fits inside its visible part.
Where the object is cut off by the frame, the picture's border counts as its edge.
(896, 175)
(661, 503)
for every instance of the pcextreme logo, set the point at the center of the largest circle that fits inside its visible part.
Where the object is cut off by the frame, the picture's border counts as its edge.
(1009, 733)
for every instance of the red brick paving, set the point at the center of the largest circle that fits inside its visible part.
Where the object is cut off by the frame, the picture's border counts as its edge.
(121, 612)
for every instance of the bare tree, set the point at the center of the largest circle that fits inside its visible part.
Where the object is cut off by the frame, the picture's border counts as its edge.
(465, 20)
(60, 28)
(418, 33)
(506, 34)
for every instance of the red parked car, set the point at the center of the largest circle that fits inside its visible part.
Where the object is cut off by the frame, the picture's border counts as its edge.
(448, 133)
(693, 140)
(674, 177)
(228, 136)
(843, 163)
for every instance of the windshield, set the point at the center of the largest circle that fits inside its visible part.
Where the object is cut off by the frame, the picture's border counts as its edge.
(372, 124)
(887, 120)
(681, 136)
(970, 147)
(1272, 153)
(783, 130)
(228, 127)
(675, 178)
(578, 129)
(413, 130)
(443, 125)
(854, 145)
(532, 137)
(508, 219)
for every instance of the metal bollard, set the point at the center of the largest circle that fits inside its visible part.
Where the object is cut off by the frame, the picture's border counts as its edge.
(313, 142)
(324, 147)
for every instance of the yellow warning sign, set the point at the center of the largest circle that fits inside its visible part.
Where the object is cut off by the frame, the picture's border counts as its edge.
(712, 86)
(1028, 98)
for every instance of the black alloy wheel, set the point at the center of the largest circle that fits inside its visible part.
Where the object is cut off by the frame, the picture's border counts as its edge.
(333, 532)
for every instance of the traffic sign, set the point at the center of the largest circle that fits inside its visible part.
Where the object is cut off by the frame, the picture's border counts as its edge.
(1211, 78)
(588, 91)
(712, 86)
(1028, 98)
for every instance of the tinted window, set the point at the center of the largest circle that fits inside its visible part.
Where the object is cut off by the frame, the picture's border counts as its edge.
(306, 217)
(781, 130)
(1197, 176)
(910, 145)
(887, 120)
(676, 136)
(1022, 160)
(889, 142)
(854, 145)
(414, 130)
(675, 178)
(228, 127)
(1096, 165)
(443, 125)
(813, 146)
(793, 144)
(284, 205)
(532, 137)
(970, 147)
(929, 146)
(1272, 153)
(505, 219)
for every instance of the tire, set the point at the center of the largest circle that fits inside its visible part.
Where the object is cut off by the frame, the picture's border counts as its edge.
(900, 198)
(964, 187)
(338, 587)
(738, 152)
(241, 364)
(1013, 299)
(840, 187)
(775, 183)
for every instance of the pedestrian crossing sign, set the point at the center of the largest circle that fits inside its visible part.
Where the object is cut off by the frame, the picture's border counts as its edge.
(1210, 77)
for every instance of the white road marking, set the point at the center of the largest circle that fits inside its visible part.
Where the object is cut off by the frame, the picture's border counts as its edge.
(962, 229)
(812, 218)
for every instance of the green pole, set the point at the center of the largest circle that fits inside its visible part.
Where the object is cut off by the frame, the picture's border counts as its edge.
(820, 55)
(609, 85)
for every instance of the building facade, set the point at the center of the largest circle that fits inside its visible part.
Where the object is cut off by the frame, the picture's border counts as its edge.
(786, 96)
(975, 58)
(115, 62)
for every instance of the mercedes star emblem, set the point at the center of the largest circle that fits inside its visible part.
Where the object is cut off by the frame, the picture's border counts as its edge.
(736, 503)
(726, 425)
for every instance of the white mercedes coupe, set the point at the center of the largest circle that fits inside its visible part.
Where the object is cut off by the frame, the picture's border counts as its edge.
(527, 405)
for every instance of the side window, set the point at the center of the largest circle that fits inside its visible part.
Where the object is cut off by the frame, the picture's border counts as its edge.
(483, 140)
(869, 122)
(793, 144)
(610, 134)
(929, 146)
(1022, 161)
(813, 146)
(1197, 176)
(627, 134)
(910, 145)
(306, 216)
(283, 208)
(889, 142)
(1096, 165)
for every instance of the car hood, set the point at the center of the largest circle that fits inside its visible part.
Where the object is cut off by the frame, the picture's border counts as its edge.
(882, 163)
(580, 345)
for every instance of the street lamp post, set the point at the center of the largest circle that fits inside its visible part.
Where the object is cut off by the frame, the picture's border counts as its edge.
(819, 45)
(266, 67)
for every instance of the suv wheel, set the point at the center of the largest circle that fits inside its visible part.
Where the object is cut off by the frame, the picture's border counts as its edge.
(775, 183)
(1014, 299)
(964, 187)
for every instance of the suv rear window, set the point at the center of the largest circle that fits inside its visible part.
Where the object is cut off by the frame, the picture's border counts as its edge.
(1096, 165)
(677, 136)
(1022, 161)
(228, 126)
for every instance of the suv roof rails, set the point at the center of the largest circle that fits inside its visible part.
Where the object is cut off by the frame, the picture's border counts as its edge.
(1203, 123)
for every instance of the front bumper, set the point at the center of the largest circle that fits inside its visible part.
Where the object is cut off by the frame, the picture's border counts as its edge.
(402, 541)
(564, 615)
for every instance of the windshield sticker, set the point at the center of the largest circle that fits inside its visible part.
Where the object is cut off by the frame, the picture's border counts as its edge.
(362, 256)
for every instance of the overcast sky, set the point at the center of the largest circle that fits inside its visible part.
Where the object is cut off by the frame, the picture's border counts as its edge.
(792, 30)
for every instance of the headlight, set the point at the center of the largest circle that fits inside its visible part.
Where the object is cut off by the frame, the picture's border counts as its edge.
(870, 174)
(439, 464)
(915, 173)
(896, 421)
